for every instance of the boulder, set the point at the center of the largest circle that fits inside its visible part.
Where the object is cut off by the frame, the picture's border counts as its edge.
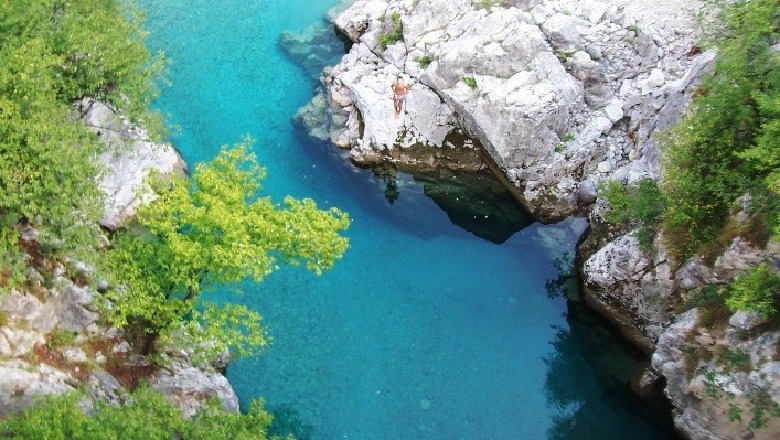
(190, 387)
(519, 81)
(129, 158)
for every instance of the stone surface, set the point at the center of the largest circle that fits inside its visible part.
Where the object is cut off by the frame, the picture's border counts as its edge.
(129, 159)
(190, 387)
(21, 383)
(699, 413)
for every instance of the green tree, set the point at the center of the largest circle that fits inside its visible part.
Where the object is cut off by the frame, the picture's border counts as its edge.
(52, 53)
(727, 144)
(757, 290)
(210, 230)
(145, 415)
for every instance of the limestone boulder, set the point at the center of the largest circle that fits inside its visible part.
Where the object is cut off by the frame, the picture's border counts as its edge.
(191, 387)
(129, 158)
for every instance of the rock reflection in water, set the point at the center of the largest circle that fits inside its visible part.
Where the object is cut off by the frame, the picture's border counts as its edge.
(473, 200)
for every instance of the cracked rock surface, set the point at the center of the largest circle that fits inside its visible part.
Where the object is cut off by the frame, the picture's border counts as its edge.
(559, 93)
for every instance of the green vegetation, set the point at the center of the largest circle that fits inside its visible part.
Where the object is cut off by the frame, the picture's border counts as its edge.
(643, 202)
(727, 145)
(424, 61)
(52, 53)
(634, 29)
(487, 4)
(202, 232)
(470, 81)
(723, 159)
(757, 290)
(724, 156)
(760, 405)
(145, 415)
(210, 230)
(396, 33)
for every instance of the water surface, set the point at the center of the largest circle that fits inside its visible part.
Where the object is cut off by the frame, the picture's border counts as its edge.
(422, 331)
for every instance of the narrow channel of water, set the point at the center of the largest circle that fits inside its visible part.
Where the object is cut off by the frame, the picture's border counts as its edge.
(423, 330)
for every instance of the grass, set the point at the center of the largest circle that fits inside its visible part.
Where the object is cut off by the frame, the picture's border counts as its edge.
(424, 61)
(470, 81)
(396, 33)
(487, 4)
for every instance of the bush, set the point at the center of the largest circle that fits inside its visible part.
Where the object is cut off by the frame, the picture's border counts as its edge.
(145, 415)
(52, 53)
(396, 33)
(758, 290)
(643, 202)
(728, 142)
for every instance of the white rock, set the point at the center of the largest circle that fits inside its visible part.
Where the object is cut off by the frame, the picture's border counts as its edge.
(614, 112)
(657, 78)
(603, 124)
(74, 354)
(129, 159)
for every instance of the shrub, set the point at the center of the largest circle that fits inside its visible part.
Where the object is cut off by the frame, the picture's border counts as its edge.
(145, 415)
(396, 32)
(643, 202)
(757, 290)
(52, 53)
(424, 61)
(728, 142)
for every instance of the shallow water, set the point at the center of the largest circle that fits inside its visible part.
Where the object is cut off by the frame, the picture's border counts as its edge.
(423, 330)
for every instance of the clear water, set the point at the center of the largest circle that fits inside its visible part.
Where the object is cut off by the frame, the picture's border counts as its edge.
(422, 331)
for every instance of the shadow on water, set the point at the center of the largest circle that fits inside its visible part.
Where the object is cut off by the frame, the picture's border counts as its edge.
(616, 367)
(474, 201)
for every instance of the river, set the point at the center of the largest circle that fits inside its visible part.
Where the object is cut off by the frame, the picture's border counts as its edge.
(422, 330)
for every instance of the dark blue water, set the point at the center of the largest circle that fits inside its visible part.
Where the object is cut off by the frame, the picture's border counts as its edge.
(422, 331)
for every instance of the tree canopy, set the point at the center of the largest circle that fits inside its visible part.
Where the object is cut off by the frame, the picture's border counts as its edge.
(51, 54)
(212, 229)
(146, 414)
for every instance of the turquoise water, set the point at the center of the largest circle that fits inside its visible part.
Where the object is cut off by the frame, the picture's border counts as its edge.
(422, 331)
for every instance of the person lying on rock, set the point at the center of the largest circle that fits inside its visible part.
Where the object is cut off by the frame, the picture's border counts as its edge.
(400, 90)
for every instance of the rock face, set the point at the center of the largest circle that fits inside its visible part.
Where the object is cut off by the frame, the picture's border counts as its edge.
(129, 159)
(632, 288)
(51, 341)
(558, 93)
(707, 392)
(190, 387)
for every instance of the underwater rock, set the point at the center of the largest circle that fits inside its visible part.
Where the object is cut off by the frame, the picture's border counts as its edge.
(311, 49)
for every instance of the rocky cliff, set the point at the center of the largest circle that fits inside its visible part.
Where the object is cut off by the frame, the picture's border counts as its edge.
(52, 339)
(556, 96)
(559, 94)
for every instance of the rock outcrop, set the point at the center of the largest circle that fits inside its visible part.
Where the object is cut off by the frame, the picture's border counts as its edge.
(52, 339)
(129, 158)
(559, 94)
(715, 376)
